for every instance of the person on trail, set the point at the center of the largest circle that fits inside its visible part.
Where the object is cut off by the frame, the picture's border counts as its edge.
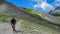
(13, 22)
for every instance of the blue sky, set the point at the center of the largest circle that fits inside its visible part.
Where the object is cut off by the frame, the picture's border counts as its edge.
(43, 5)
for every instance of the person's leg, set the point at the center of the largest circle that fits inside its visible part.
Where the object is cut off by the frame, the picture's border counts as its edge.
(13, 27)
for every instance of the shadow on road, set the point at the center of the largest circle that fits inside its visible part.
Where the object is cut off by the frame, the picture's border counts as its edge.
(17, 31)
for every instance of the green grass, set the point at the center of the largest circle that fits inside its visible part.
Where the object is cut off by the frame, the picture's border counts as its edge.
(29, 27)
(32, 11)
(35, 28)
(57, 13)
(29, 10)
(35, 13)
(5, 18)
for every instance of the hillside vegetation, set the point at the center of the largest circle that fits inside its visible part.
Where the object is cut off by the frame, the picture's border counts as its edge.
(30, 20)
(29, 27)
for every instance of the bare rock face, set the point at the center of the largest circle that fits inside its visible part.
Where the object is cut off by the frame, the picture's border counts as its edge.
(2, 0)
(10, 8)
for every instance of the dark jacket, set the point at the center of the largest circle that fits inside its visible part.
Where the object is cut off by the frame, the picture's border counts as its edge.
(13, 21)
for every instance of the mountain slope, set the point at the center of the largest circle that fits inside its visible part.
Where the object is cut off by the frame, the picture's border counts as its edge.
(30, 24)
(13, 10)
(45, 16)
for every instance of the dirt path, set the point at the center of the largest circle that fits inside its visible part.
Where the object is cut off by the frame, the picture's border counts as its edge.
(5, 28)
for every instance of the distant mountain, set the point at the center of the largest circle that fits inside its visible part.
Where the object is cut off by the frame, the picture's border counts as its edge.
(55, 12)
(58, 8)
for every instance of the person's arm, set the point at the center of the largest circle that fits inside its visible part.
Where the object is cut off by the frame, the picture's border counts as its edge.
(15, 21)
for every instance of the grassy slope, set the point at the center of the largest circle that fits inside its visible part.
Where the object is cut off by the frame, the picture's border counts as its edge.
(42, 27)
(35, 13)
(33, 28)
(4, 17)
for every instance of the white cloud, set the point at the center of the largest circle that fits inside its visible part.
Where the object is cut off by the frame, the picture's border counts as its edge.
(38, 3)
(46, 6)
(43, 4)
(36, 6)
